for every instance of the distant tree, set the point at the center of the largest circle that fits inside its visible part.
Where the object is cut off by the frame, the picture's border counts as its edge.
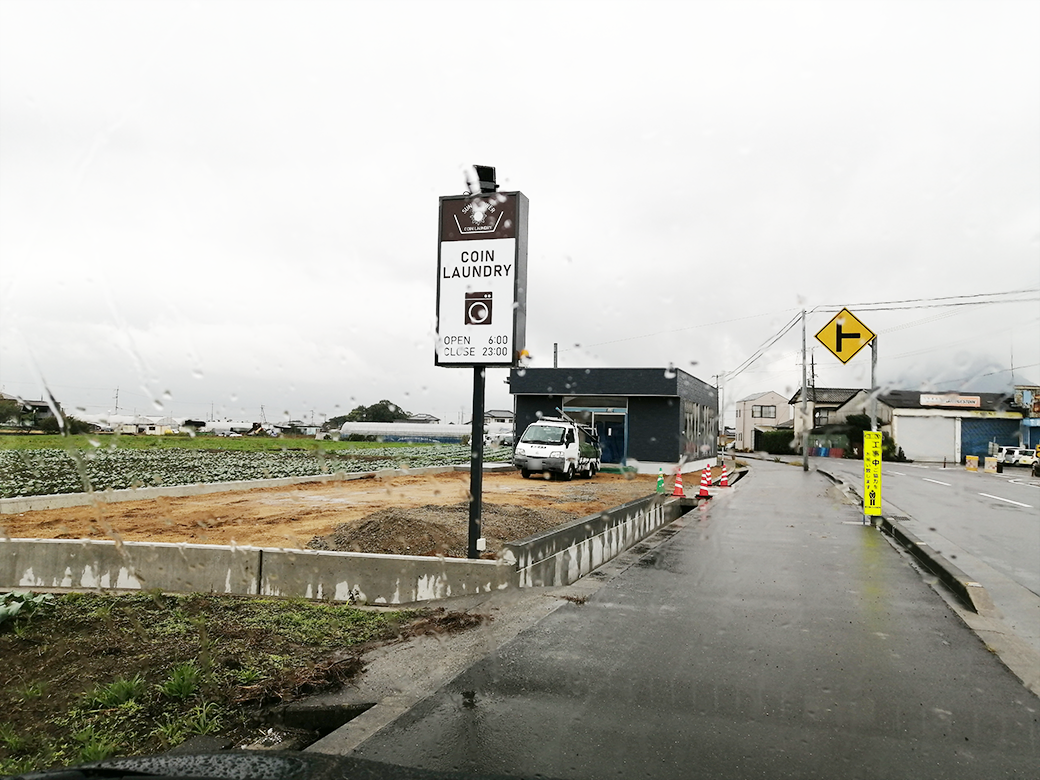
(10, 411)
(384, 411)
(50, 424)
(335, 422)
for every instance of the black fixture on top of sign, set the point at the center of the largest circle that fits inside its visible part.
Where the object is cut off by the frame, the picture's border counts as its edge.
(485, 183)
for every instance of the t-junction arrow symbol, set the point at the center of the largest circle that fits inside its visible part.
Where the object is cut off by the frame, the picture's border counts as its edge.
(842, 336)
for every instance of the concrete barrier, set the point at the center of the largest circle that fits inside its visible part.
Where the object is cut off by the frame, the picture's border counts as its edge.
(378, 579)
(556, 557)
(109, 565)
(565, 554)
(209, 568)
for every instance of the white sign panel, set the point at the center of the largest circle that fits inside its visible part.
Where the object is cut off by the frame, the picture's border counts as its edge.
(481, 280)
(475, 315)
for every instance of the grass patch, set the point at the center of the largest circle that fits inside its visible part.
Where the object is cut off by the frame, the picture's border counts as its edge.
(90, 676)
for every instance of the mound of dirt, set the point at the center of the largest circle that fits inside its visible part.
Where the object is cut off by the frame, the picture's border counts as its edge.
(438, 530)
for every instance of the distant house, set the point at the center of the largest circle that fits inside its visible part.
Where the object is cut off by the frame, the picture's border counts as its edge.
(821, 403)
(938, 426)
(36, 410)
(759, 412)
(149, 426)
(1027, 398)
(941, 426)
(424, 418)
(501, 416)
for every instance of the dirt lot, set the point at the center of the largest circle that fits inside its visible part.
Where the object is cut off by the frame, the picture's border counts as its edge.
(411, 515)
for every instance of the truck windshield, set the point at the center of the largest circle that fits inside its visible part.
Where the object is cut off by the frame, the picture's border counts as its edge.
(543, 434)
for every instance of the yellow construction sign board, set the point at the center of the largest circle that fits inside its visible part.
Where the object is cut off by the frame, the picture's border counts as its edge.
(845, 335)
(872, 473)
(971, 462)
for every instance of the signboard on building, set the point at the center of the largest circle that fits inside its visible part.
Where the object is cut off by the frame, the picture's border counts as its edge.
(872, 473)
(482, 279)
(952, 400)
(844, 335)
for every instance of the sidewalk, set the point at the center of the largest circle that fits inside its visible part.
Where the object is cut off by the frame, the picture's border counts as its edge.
(772, 635)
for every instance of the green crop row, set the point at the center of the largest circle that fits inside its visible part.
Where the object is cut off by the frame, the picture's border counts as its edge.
(94, 468)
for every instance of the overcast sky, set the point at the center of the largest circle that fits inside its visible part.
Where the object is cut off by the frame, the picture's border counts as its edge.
(219, 206)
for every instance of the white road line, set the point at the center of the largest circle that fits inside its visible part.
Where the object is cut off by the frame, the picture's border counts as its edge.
(1020, 482)
(900, 473)
(1008, 500)
(915, 466)
(937, 482)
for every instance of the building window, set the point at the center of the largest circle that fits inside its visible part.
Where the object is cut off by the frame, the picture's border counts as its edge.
(821, 416)
(767, 412)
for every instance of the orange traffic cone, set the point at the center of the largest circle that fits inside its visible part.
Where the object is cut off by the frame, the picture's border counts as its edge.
(678, 489)
(705, 483)
(724, 480)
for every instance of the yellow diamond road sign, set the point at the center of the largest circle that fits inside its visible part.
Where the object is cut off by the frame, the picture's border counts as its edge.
(844, 335)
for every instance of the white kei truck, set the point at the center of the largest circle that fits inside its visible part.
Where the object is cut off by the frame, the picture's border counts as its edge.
(559, 447)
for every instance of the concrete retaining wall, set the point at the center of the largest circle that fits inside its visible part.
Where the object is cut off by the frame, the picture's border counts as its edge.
(568, 553)
(556, 557)
(378, 579)
(210, 568)
(105, 565)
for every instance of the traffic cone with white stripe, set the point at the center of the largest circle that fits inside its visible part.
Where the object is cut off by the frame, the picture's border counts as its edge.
(705, 483)
(678, 489)
(724, 480)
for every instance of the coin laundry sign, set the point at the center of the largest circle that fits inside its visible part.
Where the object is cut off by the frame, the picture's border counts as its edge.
(482, 280)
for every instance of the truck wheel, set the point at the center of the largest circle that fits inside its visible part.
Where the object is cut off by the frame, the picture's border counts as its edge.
(525, 473)
(592, 470)
(569, 474)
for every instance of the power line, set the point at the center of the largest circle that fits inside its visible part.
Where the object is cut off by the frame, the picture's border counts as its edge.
(895, 305)
(678, 330)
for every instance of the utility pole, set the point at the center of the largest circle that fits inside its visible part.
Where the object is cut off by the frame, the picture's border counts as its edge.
(805, 392)
(556, 352)
(722, 417)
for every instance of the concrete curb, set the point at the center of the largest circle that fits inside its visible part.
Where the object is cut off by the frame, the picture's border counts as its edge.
(969, 593)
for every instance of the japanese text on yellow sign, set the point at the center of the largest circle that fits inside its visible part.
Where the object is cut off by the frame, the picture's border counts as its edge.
(871, 473)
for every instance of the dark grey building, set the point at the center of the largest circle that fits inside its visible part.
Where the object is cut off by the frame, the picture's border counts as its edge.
(653, 416)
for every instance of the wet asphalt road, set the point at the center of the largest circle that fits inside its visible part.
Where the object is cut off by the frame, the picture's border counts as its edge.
(773, 636)
(988, 525)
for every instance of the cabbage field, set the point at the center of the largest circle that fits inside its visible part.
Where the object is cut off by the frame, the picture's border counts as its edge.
(45, 471)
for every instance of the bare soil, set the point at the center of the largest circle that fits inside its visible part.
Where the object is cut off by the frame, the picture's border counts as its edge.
(404, 515)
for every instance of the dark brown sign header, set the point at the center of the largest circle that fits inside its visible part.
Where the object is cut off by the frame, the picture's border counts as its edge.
(483, 216)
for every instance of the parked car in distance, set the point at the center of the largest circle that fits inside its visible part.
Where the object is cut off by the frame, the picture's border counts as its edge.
(1016, 456)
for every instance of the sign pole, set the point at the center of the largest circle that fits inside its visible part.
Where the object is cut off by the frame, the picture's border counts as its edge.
(476, 466)
(867, 473)
(805, 391)
(873, 384)
(481, 300)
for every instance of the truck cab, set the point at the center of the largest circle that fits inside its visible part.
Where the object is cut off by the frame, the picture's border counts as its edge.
(557, 446)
